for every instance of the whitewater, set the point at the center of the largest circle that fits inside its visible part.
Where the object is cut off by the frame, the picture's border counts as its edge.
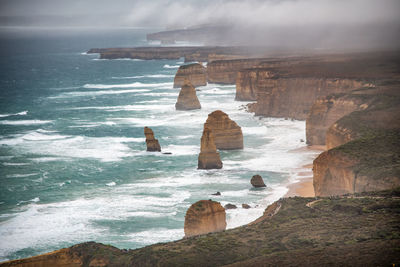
(73, 161)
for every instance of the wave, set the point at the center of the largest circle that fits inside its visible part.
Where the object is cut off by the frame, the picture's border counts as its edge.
(126, 85)
(21, 175)
(24, 122)
(145, 76)
(22, 113)
(101, 92)
(167, 66)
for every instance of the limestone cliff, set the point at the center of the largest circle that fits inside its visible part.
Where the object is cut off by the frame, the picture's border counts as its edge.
(204, 216)
(293, 97)
(151, 143)
(248, 81)
(209, 157)
(365, 164)
(227, 134)
(187, 99)
(326, 111)
(195, 73)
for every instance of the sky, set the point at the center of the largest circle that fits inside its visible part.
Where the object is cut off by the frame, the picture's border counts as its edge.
(362, 20)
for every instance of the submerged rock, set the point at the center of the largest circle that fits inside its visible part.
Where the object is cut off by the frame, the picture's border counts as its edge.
(187, 99)
(151, 142)
(230, 206)
(227, 134)
(216, 194)
(209, 157)
(257, 181)
(204, 216)
(246, 206)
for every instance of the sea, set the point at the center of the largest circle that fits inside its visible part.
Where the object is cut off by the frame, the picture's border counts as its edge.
(73, 160)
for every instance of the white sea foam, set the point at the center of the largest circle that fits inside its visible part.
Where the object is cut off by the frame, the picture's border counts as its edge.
(14, 164)
(145, 76)
(100, 92)
(21, 175)
(154, 235)
(126, 85)
(24, 122)
(22, 113)
(111, 184)
(167, 66)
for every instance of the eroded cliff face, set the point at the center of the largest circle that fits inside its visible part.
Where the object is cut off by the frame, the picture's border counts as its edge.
(326, 111)
(293, 97)
(204, 216)
(187, 99)
(195, 73)
(248, 81)
(227, 134)
(209, 157)
(365, 164)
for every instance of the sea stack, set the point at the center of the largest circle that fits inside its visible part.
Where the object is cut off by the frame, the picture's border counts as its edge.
(187, 99)
(151, 142)
(227, 134)
(195, 73)
(257, 181)
(204, 216)
(209, 157)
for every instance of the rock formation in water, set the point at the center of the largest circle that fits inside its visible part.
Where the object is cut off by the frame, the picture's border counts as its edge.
(227, 134)
(187, 99)
(257, 181)
(204, 216)
(195, 73)
(209, 157)
(230, 206)
(151, 143)
(246, 206)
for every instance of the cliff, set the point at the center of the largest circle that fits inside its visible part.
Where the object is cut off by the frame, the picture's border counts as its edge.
(326, 111)
(361, 231)
(195, 73)
(365, 164)
(209, 157)
(151, 143)
(203, 217)
(227, 134)
(187, 99)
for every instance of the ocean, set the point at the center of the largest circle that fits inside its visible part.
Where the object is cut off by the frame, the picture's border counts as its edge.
(73, 161)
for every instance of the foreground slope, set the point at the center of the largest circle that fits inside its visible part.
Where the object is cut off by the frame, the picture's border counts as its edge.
(356, 230)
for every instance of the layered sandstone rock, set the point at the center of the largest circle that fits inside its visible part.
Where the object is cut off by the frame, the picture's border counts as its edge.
(187, 99)
(365, 164)
(248, 81)
(151, 142)
(326, 111)
(195, 73)
(257, 181)
(293, 97)
(227, 134)
(209, 157)
(204, 216)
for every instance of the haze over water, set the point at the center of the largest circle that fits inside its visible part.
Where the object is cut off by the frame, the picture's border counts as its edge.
(73, 166)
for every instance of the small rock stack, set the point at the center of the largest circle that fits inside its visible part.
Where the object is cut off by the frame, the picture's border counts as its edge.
(151, 142)
(187, 99)
(209, 157)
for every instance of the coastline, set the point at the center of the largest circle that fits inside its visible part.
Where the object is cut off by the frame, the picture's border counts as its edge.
(303, 185)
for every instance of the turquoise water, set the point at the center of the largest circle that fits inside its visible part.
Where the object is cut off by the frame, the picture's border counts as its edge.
(73, 166)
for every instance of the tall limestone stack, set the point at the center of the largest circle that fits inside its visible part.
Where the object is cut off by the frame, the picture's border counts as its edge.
(151, 142)
(227, 134)
(187, 99)
(195, 73)
(209, 157)
(204, 216)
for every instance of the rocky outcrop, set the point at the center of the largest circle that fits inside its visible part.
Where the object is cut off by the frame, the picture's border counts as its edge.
(151, 143)
(326, 111)
(227, 134)
(209, 157)
(248, 82)
(293, 97)
(230, 206)
(187, 99)
(257, 181)
(204, 216)
(195, 73)
(365, 164)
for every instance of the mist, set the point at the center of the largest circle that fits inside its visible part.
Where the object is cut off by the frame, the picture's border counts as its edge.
(352, 24)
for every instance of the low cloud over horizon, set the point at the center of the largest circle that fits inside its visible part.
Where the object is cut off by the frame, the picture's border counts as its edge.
(326, 21)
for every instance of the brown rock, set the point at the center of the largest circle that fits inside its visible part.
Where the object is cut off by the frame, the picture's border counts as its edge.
(151, 142)
(195, 73)
(227, 134)
(230, 206)
(204, 216)
(246, 206)
(187, 99)
(257, 181)
(209, 157)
